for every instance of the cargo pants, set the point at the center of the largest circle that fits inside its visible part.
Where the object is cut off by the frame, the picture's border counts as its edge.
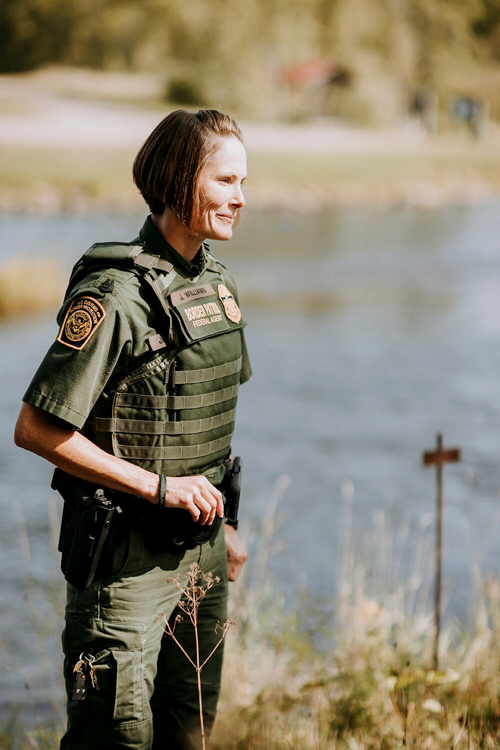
(147, 695)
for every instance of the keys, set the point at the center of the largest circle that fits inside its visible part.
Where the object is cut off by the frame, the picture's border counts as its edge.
(91, 672)
(85, 677)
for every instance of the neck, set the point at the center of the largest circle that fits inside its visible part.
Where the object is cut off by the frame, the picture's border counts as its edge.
(177, 234)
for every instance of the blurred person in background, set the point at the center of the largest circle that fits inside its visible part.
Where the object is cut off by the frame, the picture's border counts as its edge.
(137, 396)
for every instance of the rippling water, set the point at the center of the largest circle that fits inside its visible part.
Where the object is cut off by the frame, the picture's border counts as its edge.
(369, 332)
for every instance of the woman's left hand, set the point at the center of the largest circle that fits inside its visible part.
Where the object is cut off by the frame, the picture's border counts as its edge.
(236, 553)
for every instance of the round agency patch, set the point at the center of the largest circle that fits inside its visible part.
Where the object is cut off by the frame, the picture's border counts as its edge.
(83, 317)
(78, 325)
(231, 309)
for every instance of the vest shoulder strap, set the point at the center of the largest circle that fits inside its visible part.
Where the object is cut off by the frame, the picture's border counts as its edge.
(126, 256)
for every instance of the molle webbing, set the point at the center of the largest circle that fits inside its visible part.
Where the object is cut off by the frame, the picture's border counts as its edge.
(180, 452)
(147, 427)
(184, 377)
(148, 405)
(144, 401)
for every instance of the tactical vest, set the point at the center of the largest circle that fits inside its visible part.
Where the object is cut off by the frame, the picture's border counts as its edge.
(174, 411)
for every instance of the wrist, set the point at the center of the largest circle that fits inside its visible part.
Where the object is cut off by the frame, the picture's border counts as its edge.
(152, 489)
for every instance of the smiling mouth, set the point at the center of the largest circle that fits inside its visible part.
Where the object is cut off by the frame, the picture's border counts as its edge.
(229, 219)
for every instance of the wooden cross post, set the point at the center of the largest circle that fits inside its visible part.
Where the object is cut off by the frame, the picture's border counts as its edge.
(437, 458)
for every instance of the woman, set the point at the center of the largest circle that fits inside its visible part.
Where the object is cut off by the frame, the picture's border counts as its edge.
(138, 395)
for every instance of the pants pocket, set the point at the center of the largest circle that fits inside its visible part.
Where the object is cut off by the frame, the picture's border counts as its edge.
(120, 686)
(130, 688)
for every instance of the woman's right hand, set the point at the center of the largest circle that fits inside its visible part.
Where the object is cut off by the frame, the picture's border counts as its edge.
(55, 440)
(196, 495)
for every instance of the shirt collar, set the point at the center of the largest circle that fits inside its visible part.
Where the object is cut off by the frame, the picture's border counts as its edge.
(158, 245)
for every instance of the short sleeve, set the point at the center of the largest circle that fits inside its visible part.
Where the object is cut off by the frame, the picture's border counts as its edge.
(94, 340)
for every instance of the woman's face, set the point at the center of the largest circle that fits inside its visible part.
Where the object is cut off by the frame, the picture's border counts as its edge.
(220, 189)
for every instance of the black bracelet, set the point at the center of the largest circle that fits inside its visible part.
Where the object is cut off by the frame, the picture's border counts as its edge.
(163, 491)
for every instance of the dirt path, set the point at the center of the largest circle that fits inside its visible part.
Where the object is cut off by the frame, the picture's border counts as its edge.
(33, 115)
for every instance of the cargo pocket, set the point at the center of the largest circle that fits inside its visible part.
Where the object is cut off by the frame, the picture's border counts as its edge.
(120, 685)
(130, 688)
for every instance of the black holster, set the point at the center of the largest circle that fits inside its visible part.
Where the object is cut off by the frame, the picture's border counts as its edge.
(231, 489)
(87, 519)
(95, 520)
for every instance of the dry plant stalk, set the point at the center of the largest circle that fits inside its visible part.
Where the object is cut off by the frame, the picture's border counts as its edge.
(193, 591)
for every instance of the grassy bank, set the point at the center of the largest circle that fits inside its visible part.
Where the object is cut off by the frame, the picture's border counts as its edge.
(450, 169)
(375, 690)
(30, 286)
(360, 680)
(53, 180)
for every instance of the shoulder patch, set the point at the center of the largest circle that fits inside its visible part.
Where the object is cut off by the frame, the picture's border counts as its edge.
(84, 315)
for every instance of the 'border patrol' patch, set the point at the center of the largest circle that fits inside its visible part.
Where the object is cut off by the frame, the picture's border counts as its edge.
(230, 307)
(85, 314)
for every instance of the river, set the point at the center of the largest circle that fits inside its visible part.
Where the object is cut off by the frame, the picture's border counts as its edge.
(369, 332)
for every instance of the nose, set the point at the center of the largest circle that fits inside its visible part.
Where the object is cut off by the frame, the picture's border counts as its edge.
(238, 199)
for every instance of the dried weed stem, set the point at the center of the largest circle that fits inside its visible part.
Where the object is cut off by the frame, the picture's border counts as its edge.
(193, 591)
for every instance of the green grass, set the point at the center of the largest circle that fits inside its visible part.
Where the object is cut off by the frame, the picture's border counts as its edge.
(453, 166)
(98, 171)
(444, 163)
(374, 686)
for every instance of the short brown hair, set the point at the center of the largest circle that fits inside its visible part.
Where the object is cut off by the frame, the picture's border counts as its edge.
(167, 168)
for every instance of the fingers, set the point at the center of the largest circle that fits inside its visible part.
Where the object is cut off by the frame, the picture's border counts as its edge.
(202, 510)
(209, 502)
(196, 495)
(220, 504)
(236, 554)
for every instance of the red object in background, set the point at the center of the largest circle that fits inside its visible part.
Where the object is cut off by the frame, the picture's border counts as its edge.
(314, 73)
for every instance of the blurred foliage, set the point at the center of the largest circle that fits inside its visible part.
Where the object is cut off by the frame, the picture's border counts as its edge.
(182, 92)
(232, 54)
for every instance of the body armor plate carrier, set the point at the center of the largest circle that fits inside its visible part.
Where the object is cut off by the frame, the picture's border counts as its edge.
(173, 412)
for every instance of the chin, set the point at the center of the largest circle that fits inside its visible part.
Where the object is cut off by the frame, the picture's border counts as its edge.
(218, 231)
(223, 236)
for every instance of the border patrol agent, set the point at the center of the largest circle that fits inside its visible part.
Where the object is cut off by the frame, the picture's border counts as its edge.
(138, 395)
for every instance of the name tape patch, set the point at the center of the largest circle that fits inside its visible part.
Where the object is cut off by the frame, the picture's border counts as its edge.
(84, 315)
(191, 293)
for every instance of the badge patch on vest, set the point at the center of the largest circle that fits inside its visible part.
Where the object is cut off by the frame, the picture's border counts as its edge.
(201, 314)
(85, 314)
(231, 309)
